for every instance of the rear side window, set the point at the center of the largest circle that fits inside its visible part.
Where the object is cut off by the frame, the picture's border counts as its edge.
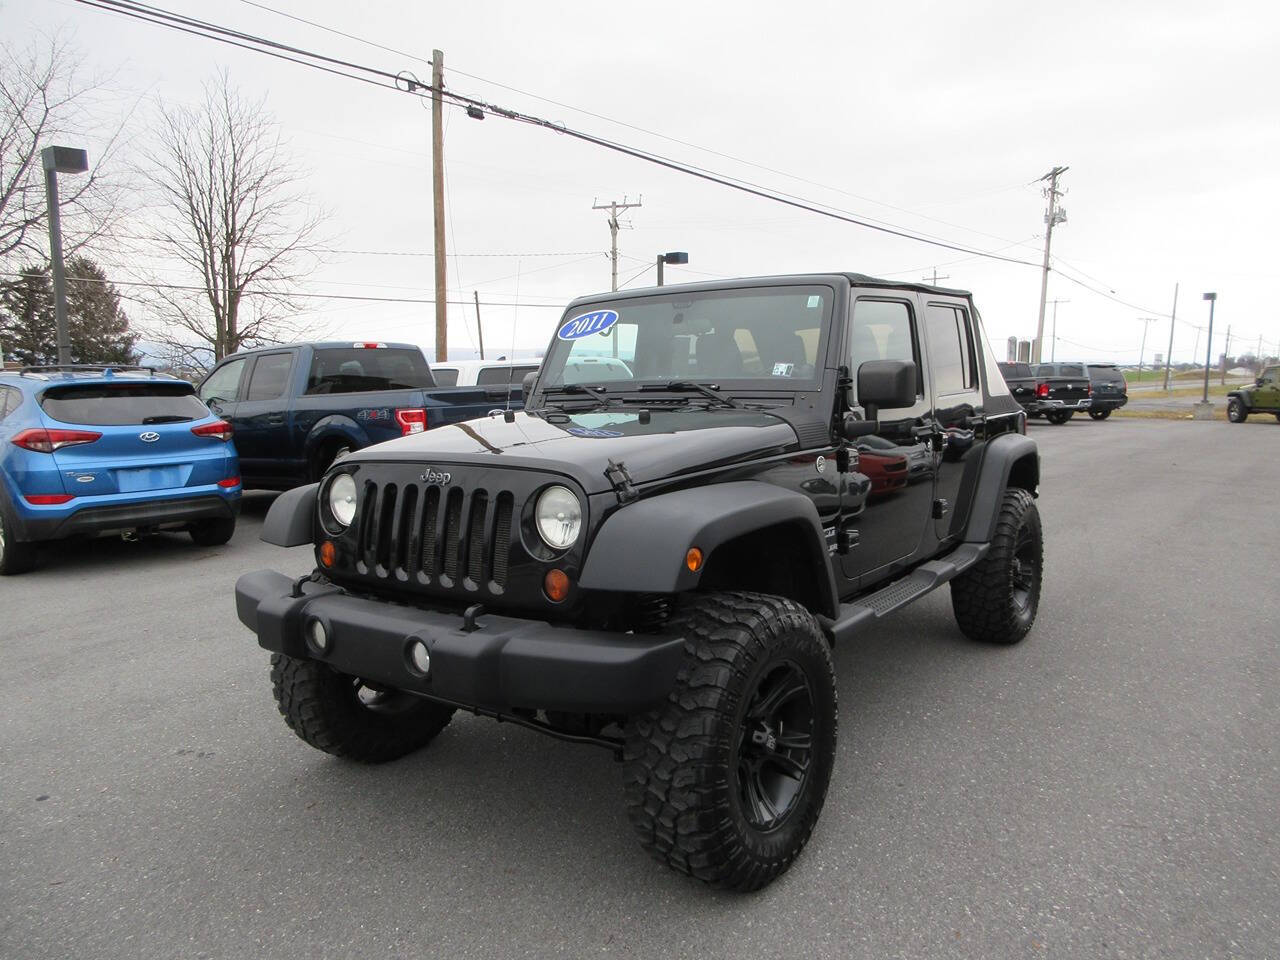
(270, 376)
(10, 400)
(357, 370)
(490, 375)
(445, 376)
(951, 350)
(123, 404)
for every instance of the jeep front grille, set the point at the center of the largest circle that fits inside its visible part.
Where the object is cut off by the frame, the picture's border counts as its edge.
(435, 536)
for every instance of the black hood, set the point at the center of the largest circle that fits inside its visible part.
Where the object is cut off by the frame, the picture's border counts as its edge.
(581, 445)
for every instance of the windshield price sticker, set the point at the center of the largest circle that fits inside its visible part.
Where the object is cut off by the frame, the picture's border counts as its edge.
(586, 324)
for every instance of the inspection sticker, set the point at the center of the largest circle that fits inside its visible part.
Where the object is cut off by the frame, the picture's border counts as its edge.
(783, 369)
(586, 324)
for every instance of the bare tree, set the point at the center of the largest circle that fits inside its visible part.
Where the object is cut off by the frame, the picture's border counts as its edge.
(44, 100)
(235, 214)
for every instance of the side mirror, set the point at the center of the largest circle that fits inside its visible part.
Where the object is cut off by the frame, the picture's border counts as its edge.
(526, 385)
(881, 383)
(886, 383)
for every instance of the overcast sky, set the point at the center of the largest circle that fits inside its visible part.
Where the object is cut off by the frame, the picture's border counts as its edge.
(934, 117)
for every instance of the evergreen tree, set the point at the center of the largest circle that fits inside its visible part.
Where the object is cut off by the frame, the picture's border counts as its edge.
(28, 333)
(96, 324)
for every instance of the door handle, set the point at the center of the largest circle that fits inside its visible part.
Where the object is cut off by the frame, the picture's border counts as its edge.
(275, 419)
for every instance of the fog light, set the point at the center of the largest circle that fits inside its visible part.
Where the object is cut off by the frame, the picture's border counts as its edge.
(317, 637)
(419, 658)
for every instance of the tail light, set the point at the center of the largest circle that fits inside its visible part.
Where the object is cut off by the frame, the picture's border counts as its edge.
(369, 346)
(48, 499)
(219, 430)
(229, 482)
(1042, 390)
(411, 420)
(46, 441)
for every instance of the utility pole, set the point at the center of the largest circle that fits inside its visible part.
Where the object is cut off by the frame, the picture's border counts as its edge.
(613, 206)
(1053, 340)
(1054, 215)
(1208, 350)
(437, 191)
(1173, 322)
(1260, 362)
(936, 278)
(479, 328)
(1226, 352)
(1142, 350)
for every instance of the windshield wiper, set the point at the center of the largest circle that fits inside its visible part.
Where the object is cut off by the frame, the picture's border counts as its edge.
(599, 392)
(710, 391)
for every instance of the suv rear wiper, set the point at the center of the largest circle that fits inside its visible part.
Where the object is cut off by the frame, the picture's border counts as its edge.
(167, 418)
(711, 391)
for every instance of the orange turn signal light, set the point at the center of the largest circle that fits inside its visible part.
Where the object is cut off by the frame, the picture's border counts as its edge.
(556, 584)
(693, 559)
(328, 553)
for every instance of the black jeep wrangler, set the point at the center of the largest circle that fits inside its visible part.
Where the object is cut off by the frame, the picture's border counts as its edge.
(658, 559)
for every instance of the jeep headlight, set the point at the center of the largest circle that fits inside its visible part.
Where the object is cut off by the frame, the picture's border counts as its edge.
(342, 499)
(559, 517)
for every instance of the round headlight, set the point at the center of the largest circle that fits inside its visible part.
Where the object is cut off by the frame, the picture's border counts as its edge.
(559, 517)
(342, 499)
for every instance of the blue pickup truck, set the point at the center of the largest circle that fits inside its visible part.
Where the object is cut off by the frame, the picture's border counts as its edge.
(299, 407)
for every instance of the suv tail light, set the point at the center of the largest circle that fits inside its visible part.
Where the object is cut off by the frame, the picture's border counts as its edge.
(48, 499)
(219, 430)
(46, 441)
(411, 420)
(1042, 390)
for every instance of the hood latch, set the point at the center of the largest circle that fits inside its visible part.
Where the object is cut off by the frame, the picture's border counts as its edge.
(623, 484)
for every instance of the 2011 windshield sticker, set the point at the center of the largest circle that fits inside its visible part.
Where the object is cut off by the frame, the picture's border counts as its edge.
(586, 324)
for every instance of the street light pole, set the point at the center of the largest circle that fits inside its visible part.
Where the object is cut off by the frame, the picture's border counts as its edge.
(1208, 350)
(676, 257)
(56, 160)
(1142, 350)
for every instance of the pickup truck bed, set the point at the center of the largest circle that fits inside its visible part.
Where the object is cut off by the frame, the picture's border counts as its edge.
(298, 407)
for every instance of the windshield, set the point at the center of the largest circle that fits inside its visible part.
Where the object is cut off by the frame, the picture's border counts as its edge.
(763, 338)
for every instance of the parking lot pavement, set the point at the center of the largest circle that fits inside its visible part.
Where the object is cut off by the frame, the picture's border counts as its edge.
(1111, 787)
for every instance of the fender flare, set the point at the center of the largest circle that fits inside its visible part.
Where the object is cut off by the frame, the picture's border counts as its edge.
(1005, 454)
(1242, 396)
(330, 427)
(641, 547)
(291, 518)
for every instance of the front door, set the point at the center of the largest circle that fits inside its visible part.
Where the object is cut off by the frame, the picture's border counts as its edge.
(263, 439)
(957, 409)
(891, 486)
(1267, 395)
(221, 389)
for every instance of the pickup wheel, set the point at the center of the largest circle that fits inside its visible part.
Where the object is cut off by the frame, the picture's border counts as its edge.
(328, 453)
(1099, 414)
(213, 533)
(1058, 418)
(15, 556)
(726, 780)
(995, 601)
(349, 717)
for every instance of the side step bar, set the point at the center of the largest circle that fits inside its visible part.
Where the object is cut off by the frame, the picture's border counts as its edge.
(914, 585)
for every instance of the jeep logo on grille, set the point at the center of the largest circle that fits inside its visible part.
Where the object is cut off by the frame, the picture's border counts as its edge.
(435, 476)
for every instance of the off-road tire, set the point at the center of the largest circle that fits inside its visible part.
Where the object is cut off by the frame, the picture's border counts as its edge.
(995, 601)
(323, 708)
(1058, 419)
(1236, 411)
(213, 533)
(15, 556)
(1099, 414)
(689, 761)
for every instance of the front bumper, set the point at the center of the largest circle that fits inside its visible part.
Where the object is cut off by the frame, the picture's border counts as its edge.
(504, 663)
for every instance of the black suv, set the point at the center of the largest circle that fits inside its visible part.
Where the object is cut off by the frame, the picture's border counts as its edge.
(1109, 390)
(658, 560)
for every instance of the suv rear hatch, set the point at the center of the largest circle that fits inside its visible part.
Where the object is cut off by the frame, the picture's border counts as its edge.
(134, 436)
(1107, 381)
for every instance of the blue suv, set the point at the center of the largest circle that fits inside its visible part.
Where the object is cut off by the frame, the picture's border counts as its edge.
(87, 450)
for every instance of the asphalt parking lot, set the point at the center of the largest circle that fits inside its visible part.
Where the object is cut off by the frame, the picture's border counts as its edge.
(1109, 788)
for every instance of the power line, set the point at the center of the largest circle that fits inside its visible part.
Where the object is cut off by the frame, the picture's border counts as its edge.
(415, 87)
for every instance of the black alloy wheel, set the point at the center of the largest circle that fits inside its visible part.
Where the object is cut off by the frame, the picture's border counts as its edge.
(775, 744)
(1099, 414)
